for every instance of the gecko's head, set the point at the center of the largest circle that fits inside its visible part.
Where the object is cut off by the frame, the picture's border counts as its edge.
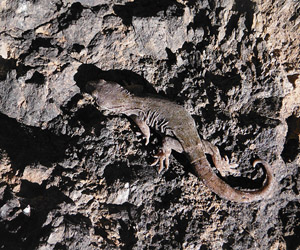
(108, 95)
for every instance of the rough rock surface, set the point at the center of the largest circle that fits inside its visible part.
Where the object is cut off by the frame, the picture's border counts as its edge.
(73, 178)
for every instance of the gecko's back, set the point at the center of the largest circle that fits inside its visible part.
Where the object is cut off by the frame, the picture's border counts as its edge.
(180, 122)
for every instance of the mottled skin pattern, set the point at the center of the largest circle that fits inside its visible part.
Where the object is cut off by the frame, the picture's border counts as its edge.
(181, 135)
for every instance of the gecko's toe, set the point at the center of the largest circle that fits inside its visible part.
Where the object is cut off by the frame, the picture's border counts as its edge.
(167, 162)
(161, 165)
(147, 141)
(226, 159)
(158, 157)
(155, 162)
(161, 158)
(234, 165)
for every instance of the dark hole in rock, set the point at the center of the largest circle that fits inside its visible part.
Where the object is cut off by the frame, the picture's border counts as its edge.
(37, 78)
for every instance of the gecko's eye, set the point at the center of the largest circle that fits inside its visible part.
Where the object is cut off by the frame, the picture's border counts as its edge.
(90, 87)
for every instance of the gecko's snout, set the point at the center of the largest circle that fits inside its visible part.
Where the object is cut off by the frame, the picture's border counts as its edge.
(91, 88)
(95, 89)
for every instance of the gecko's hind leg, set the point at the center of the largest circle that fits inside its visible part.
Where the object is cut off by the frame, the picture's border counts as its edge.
(164, 153)
(143, 127)
(222, 164)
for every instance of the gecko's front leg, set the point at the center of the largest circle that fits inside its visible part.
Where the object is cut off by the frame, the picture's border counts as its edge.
(168, 144)
(142, 126)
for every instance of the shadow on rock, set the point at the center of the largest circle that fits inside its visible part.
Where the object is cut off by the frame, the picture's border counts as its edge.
(24, 231)
(128, 79)
(25, 145)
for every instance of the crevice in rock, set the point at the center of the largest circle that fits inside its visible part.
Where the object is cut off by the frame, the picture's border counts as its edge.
(290, 217)
(40, 42)
(292, 79)
(224, 82)
(292, 144)
(171, 57)
(118, 171)
(6, 65)
(201, 20)
(37, 78)
(181, 226)
(72, 14)
(147, 8)
(77, 48)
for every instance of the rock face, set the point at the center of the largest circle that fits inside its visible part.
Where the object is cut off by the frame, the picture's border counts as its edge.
(72, 177)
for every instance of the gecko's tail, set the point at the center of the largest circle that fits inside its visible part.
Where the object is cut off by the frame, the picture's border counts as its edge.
(224, 190)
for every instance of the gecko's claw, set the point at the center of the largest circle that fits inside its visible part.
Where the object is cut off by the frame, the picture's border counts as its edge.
(161, 157)
(147, 140)
(226, 159)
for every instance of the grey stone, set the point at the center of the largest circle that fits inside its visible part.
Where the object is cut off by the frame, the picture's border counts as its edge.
(86, 175)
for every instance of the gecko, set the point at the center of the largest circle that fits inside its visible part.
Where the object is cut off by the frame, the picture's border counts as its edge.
(181, 135)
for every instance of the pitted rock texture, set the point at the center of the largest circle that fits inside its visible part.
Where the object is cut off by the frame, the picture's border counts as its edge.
(74, 177)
